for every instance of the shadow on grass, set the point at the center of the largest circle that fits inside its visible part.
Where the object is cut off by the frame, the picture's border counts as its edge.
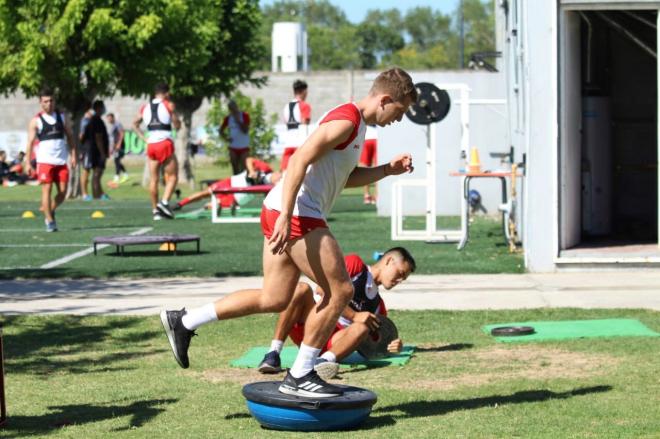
(70, 344)
(444, 348)
(439, 407)
(141, 412)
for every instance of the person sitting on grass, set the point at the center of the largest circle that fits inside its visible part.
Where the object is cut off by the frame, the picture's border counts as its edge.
(355, 323)
(257, 172)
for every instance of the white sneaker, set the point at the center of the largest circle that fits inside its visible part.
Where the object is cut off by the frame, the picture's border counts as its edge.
(157, 215)
(326, 369)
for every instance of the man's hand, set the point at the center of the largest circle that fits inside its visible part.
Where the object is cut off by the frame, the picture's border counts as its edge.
(280, 237)
(399, 165)
(369, 319)
(395, 346)
(28, 167)
(74, 160)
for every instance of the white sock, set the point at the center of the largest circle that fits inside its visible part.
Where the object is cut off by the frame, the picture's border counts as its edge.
(327, 355)
(197, 317)
(304, 361)
(276, 345)
(164, 201)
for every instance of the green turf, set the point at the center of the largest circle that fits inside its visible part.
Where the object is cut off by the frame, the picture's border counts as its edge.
(100, 377)
(227, 249)
(568, 329)
(252, 358)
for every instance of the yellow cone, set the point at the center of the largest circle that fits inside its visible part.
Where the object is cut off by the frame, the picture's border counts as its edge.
(28, 214)
(98, 214)
(475, 165)
(167, 247)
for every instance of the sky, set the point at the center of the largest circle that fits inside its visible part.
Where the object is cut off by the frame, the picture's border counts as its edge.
(356, 9)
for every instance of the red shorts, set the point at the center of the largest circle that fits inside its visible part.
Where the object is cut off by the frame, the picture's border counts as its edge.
(298, 333)
(160, 151)
(225, 200)
(47, 173)
(300, 225)
(369, 153)
(288, 152)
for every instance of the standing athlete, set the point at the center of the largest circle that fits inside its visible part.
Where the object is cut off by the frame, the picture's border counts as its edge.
(297, 112)
(296, 235)
(160, 117)
(51, 127)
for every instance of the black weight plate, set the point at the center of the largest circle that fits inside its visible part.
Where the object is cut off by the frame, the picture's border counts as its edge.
(508, 331)
(432, 104)
(375, 344)
(266, 392)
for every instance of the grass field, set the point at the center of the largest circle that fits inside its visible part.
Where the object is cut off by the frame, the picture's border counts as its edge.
(227, 249)
(94, 377)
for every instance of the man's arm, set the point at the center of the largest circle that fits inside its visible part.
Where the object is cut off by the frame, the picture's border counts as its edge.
(243, 125)
(32, 134)
(120, 137)
(176, 122)
(364, 176)
(324, 139)
(136, 126)
(73, 149)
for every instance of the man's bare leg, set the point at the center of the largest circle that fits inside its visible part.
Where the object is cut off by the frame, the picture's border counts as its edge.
(171, 172)
(84, 180)
(60, 196)
(347, 340)
(45, 201)
(154, 168)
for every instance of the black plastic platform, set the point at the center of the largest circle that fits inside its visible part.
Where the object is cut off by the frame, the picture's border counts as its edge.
(121, 241)
(287, 412)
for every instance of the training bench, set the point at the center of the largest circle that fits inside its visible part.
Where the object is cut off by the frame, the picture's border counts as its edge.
(123, 240)
(216, 208)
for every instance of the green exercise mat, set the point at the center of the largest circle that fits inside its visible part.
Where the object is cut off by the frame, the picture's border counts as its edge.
(570, 329)
(253, 357)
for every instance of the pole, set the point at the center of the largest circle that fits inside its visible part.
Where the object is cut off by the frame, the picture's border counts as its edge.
(461, 40)
(3, 408)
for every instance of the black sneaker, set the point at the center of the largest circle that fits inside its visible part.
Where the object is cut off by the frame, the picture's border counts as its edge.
(178, 335)
(165, 210)
(271, 363)
(309, 386)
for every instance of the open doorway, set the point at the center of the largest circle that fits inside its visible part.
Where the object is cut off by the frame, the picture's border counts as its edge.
(609, 147)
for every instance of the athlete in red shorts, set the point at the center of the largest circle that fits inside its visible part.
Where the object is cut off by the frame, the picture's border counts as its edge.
(297, 116)
(51, 127)
(369, 158)
(160, 116)
(316, 175)
(356, 321)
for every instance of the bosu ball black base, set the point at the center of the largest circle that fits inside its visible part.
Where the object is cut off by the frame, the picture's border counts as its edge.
(279, 411)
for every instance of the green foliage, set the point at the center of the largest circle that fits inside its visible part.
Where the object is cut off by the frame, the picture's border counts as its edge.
(423, 38)
(89, 48)
(262, 127)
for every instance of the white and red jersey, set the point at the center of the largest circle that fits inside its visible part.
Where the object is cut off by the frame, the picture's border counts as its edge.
(52, 148)
(325, 178)
(239, 139)
(372, 133)
(296, 112)
(158, 117)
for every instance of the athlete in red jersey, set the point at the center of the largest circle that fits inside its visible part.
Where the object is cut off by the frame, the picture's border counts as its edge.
(160, 116)
(295, 113)
(56, 144)
(257, 172)
(356, 321)
(296, 236)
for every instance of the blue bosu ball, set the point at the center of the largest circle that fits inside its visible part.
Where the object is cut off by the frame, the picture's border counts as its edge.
(287, 412)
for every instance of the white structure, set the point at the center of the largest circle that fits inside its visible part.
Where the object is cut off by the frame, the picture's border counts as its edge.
(582, 81)
(289, 49)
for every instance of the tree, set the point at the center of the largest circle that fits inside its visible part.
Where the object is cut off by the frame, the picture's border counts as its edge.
(90, 48)
(479, 27)
(427, 28)
(379, 37)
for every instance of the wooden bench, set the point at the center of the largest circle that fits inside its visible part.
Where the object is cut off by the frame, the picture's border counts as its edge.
(123, 240)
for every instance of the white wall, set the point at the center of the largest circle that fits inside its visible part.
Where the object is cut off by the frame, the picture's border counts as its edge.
(487, 133)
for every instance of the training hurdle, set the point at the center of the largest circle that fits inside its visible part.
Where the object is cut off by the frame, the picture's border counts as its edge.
(123, 240)
(3, 407)
(216, 209)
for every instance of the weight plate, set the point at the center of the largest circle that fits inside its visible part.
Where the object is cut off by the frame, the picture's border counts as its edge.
(508, 331)
(375, 344)
(432, 104)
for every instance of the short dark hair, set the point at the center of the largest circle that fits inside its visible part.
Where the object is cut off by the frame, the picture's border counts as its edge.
(46, 91)
(97, 104)
(161, 87)
(299, 85)
(397, 83)
(110, 114)
(403, 254)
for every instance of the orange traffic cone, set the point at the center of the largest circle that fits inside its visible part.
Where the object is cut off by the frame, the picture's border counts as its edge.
(475, 165)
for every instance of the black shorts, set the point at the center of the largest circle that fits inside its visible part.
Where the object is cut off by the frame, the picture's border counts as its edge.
(92, 160)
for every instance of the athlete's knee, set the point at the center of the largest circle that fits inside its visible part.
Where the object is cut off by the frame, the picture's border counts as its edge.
(302, 290)
(344, 292)
(274, 302)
